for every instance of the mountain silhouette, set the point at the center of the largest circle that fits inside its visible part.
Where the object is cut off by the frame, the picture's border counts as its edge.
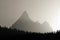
(26, 24)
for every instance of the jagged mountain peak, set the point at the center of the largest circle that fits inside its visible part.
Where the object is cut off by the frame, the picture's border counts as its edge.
(25, 23)
(46, 23)
(25, 14)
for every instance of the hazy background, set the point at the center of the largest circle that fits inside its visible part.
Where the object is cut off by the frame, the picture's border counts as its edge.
(38, 10)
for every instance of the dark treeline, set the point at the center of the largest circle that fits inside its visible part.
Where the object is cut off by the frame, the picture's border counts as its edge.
(8, 33)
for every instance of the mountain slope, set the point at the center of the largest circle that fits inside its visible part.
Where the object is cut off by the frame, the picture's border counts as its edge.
(25, 23)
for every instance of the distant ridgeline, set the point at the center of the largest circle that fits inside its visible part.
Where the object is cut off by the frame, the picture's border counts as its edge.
(8, 33)
(26, 24)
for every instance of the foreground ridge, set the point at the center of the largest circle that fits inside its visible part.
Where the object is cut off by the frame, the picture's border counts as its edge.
(9, 33)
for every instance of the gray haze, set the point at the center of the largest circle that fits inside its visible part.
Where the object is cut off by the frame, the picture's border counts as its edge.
(38, 10)
(26, 24)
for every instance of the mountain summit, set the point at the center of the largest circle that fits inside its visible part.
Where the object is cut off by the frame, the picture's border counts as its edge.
(26, 24)
(25, 14)
(24, 17)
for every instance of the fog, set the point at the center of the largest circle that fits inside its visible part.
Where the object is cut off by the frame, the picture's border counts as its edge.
(38, 10)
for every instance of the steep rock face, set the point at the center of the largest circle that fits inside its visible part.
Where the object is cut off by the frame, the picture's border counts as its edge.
(26, 24)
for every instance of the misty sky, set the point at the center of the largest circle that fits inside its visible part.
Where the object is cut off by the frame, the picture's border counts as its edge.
(38, 10)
